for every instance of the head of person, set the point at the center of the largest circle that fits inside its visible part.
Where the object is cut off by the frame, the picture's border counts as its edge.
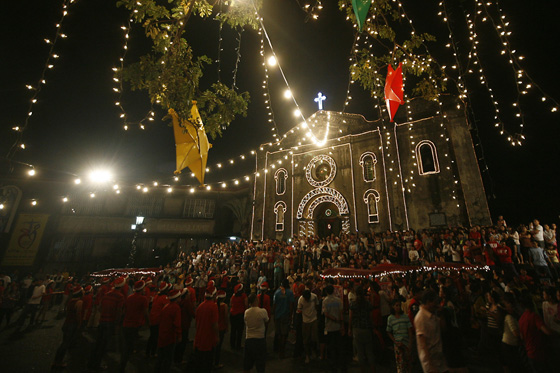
(396, 306)
(430, 300)
(253, 300)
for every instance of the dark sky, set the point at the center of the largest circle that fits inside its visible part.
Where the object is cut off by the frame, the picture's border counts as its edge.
(76, 126)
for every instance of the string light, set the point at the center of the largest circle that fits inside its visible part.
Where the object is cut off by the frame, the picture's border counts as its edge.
(48, 65)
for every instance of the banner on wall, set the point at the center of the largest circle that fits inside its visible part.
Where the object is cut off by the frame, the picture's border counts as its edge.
(25, 240)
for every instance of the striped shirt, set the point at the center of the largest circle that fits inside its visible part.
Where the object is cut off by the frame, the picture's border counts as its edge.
(398, 327)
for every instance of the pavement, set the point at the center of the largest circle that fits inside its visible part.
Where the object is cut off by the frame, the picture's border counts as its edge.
(32, 349)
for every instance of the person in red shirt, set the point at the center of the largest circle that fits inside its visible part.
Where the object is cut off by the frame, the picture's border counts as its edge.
(187, 313)
(207, 336)
(504, 256)
(101, 291)
(192, 292)
(223, 326)
(170, 331)
(533, 329)
(238, 304)
(110, 310)
(135, 315)
(264, 298)
(149, 290)
(88, 303)
(160, 301)
(71, 326)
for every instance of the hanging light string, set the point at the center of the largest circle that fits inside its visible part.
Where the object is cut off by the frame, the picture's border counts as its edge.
(266, 88)
(353, 61)
(238, 59)
(36, 89)
(119, 88)
(312, 11)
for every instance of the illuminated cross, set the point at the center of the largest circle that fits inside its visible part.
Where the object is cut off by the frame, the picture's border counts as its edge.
(320, 98)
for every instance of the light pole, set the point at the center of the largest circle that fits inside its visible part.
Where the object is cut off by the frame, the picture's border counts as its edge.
(139, 226)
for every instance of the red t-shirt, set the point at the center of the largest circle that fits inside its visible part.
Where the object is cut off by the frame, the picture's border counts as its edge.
(504, 254)
(529, 326)
(222, 317)
(170, 325)
(159, 302)
(110, 306)
(265, 303)
(238, 304)
(206, 317)
(135, 308)
(104, 289)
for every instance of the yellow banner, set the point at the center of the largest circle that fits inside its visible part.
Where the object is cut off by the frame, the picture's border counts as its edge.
(25, 240)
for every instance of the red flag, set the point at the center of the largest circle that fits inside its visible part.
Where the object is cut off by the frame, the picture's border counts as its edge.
(394, 90)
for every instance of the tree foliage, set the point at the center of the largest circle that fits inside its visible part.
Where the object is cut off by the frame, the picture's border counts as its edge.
(384, 25)
(171, 72)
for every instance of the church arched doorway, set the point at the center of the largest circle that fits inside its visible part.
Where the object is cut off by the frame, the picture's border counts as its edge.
(327, 220)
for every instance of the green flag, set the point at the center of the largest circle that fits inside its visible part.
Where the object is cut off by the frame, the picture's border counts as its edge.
(361, 9)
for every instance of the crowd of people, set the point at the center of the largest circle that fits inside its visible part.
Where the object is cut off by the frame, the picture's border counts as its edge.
(506, 308)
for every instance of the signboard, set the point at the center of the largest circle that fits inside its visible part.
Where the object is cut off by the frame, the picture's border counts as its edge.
(25, 240)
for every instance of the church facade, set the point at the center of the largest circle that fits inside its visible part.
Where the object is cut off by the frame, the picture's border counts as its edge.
(341, 173)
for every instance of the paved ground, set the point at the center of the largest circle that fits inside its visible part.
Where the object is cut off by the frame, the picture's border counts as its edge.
(33, 349)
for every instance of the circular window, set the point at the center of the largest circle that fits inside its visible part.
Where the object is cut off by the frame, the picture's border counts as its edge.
(320, 171)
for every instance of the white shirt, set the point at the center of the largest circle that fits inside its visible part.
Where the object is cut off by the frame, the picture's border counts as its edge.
(255, 322)
(308, 308)
(539, 235)
(38, 292)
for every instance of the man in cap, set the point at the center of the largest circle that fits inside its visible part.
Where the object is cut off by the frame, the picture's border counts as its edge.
(170, 331)
(207, 335)
(192, 291)
(135, 315)
(71, 326)
(101, 291)
(160, 301)
(110, 309)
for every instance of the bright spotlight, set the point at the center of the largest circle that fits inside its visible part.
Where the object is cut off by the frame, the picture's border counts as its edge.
(287, 93)
(272, 61)
(100, 176)
(31, 172)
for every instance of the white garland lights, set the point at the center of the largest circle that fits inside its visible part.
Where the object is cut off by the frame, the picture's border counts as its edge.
(36, 89)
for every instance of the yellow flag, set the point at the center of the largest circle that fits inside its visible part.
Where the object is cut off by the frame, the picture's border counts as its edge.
(191, 143)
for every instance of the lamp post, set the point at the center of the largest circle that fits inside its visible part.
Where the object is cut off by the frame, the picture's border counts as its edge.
(138, 227)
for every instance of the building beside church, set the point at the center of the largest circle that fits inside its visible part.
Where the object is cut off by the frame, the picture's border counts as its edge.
(338, 172)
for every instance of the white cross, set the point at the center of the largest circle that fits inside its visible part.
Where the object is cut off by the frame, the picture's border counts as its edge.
(320, 98)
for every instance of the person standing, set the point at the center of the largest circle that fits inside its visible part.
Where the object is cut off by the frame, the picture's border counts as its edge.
(361, 328)
(283, 303)
(238, 304)
(135, 316)
(332, 309)
(33, 304)
(533, 330)
(187, 313)
(110, 311)
(399, 330)
(170, 332)
(223, 326)
(307, 306)
(428, 334)
(207, 335)
(160, 301)
(71, 326)
(255, 319)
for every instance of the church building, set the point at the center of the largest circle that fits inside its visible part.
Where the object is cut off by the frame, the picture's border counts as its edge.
(338, 172)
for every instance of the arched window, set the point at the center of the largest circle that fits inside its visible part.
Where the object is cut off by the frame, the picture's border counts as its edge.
(427, 159)
(280, 176)
(371, 198)
(368, 161)
(279, 210)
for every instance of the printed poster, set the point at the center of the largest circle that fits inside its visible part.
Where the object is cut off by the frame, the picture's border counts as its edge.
(25, 240)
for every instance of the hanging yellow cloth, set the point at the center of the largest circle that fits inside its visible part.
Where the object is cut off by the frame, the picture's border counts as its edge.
(191, 143)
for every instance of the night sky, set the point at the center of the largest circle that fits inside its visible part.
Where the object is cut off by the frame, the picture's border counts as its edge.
(75, 125)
